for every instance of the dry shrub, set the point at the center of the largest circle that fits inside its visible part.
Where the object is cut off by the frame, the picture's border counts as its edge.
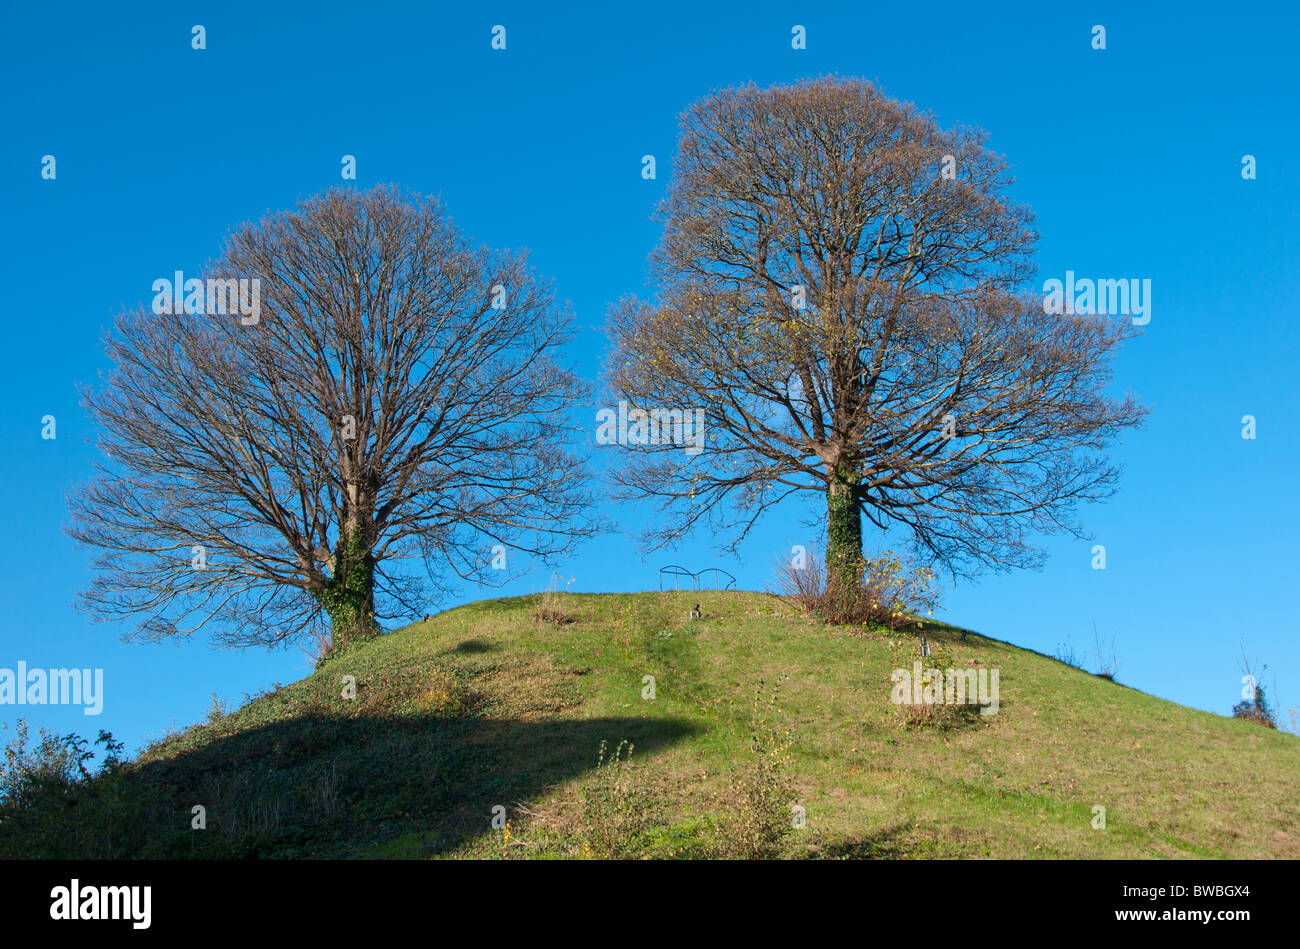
(550, 606)
(941, 716)
(803, 584)
(892, 590)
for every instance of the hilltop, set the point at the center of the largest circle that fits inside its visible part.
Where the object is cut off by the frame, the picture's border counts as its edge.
(488, 706)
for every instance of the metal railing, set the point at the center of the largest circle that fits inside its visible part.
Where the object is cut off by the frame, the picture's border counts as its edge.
(676, 571)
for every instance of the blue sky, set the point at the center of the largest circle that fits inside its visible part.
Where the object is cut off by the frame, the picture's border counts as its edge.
(1131, 158)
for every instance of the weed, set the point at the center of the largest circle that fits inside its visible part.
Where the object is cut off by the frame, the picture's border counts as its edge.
(617, 811)
(758, 823)
(551, 604)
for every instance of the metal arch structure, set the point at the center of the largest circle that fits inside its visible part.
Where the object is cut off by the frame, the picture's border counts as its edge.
(677, 571)
(718, 574)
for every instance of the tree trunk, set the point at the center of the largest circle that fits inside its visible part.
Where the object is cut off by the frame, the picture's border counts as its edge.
(844, 532)
(349, 596)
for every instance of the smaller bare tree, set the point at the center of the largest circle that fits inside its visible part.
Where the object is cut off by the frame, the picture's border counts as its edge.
(394, 411)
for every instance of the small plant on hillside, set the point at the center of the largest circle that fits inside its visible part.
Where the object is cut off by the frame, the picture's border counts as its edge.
(618, 813)
(443, 695)
(217, 710)
(941, 664)
(1256, 709)
(1254, 706)
(759, 815)
(551, 604)
(1107, 668)
(960, 693)
(802, 582)
(1066, 653)
(505, 840)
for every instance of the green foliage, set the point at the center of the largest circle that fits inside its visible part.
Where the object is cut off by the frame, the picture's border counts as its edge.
(1256, 709)
(217, 710)
(49, 787)
(348, 597)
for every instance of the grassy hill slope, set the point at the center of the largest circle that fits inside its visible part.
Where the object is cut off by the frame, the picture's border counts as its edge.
(486, 705)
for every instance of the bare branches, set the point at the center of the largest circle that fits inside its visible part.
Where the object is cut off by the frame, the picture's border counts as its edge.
(852, 320)
(397, 400)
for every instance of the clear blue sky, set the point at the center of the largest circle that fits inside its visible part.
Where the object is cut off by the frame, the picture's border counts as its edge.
(1131, 158)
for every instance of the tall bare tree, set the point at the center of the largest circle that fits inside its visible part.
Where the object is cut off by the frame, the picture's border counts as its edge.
(392, 412)
(855, 321)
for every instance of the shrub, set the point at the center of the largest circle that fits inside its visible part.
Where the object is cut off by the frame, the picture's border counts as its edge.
(1106, 668)
(550, 606)
(892, 590)
(54, 765)
(897, 589)
(53, 804)
(942, 715)
(1256, 709)
(802, 584)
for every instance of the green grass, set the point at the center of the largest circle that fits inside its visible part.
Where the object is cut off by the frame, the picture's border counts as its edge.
(485, 705)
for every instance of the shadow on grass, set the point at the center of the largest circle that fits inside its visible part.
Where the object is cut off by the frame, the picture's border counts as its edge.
(323, 786)
(470, 647)
(885, 844)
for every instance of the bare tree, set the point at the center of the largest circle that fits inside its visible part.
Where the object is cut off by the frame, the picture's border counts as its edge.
(855, 322)
(393, 411)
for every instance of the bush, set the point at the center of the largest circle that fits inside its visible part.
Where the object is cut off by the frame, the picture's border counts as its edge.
(1256, 709)
(1106, 668)
(892, 590)
(55, 765)
(941, 715)
(550, 605)
(53, 804)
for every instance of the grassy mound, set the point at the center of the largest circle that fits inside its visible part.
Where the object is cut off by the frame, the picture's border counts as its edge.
(488, 711)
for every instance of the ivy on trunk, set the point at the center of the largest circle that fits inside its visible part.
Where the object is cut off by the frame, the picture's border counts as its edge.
(348, 597)
(844, 530)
